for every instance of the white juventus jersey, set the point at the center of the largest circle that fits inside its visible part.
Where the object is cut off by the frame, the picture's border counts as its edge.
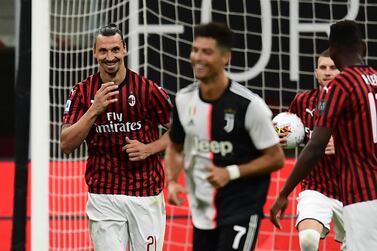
(230, 130)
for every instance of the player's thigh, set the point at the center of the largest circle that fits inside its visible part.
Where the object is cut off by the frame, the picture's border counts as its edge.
(108, 235)
(239, 236)
(314, 206)
(147, 220)
(205, 240)
(360, 222)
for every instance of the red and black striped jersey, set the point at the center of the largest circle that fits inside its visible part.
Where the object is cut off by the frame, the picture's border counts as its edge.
(324, 178)
(348, 106)
(142, 105)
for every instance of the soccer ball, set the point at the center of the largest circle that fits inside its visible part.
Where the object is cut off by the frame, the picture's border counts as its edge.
(290, 122)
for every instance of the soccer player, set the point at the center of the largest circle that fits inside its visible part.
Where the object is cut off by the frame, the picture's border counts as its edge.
(319, 201)
(118, 112)
(229, 145)
(346, 109)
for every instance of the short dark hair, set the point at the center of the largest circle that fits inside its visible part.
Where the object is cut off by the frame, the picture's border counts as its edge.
(325, 53)
(107, 31)
(218, 31)
(345, 34)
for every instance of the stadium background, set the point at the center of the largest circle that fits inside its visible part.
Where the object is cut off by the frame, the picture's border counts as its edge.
(163, 58)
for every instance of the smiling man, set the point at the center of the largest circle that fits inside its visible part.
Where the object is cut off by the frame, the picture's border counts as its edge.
(117, 112)
(319, 202)
(225, 133)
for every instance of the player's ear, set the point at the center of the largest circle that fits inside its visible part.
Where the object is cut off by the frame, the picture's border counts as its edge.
(316, 74)
(125, 49)
(226, 57)
(364, 49)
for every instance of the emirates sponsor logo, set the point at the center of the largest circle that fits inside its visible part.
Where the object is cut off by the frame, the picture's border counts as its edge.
(116, 124)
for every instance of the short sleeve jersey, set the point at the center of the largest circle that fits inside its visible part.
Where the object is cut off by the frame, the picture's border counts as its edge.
(348, 106)
(142, 105)
(230, 130)
(324, 178)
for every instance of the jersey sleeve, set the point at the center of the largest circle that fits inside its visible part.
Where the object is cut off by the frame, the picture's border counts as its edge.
(161, 104)
(331, 102)
(177, 133)
(74, 106)
(258, 122)
(293, 106)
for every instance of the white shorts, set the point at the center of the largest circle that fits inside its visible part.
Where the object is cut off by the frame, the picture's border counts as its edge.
(360, 221)
(117, 221)
(315, 205)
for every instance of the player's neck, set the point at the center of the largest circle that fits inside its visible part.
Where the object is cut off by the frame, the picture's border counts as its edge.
(117, 78)
(213, 89)
(350, 60)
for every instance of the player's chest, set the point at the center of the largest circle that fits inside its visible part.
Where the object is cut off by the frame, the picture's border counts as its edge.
(207, 120)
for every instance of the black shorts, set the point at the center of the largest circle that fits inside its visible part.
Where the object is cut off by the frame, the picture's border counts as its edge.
(237, 236)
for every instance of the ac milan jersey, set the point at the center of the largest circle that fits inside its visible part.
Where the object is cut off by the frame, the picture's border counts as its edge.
(141, 107)
(231, 130)
(324, 178)
(348, 106)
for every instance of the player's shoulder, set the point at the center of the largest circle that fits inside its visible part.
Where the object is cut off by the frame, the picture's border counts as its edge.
(345, 80)
(243, 92)
(85, 84)
(188, 90)
(306, 94)
(138, 78)
(89, 80)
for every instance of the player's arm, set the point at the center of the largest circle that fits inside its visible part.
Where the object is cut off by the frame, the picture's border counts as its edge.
(72, 136)
(263, 135)
(174, 158)
(138, 151)
(311, 153)
(160, 106)
(174, 166)
(272, 159)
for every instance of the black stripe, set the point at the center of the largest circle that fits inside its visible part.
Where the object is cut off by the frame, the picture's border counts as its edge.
(353, 156)
(365, 129)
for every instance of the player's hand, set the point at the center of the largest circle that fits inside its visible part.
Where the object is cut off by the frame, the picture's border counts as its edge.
(279, 206)
(105, 95)
(330, 148)
(218, 176)
(282, 136)
(175, 191)
(136, 150)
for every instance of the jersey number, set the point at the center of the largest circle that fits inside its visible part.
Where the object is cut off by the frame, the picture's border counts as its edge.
(152, 243)
(373, 115)
(240, 232)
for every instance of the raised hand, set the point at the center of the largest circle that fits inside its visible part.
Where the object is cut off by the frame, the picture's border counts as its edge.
(106, 95)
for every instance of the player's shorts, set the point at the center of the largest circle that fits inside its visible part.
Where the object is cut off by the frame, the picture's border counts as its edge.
(240, 236)
(314, 205)
(360, 221)
(117, 221)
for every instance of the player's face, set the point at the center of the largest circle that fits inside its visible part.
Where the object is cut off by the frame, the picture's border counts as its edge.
(207, 58)
(110, 53)
(326, 71)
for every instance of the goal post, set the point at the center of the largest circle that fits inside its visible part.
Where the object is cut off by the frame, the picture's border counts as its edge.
(40, 125)
(276, 44)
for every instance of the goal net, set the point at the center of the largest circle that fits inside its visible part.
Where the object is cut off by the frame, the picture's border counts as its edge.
(277, 42)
